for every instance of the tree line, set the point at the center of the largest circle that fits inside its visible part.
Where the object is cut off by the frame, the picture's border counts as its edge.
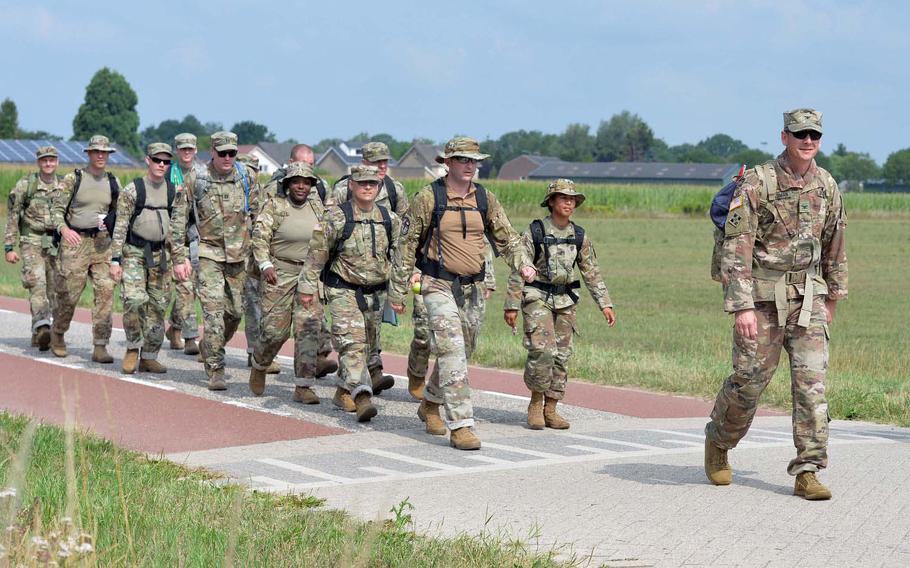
(110, 108)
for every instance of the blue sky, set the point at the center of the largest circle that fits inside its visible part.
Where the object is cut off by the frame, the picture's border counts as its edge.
(312, 70)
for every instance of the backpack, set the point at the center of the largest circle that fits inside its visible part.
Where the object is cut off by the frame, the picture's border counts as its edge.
(542, 241)
(111, 219)
(720, 208)
(241, 171)
(139, 184)
(389, 189)
(30, 190)
(348, 209)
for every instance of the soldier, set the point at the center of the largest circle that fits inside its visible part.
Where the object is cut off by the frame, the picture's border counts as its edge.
(139, 256)
(354, 243)
(184, 331)
(83, 215)
(220, 197)
(29, 226)
(444, 229)
(548, 304)
(783, 269)
(392, 196)
(281, 238)
(299, 153)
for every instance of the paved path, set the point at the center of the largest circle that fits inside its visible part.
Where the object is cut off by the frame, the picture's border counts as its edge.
(623, 487)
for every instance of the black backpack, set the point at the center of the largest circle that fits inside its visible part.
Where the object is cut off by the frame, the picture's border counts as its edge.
(139, 184)
(389, 189)
(542, 241)
(348, 208)
(111, 219)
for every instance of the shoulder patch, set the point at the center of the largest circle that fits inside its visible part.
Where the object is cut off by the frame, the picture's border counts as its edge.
(734, 220)
(405, 226)
(736, 202)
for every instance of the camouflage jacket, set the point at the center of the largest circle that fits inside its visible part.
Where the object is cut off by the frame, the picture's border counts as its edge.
(29, 211)
(126, 205)
(355, 262)
(340, 195)
(560, 270)
(416, 223)
(223, 215)
(796, 226)
(270, 217)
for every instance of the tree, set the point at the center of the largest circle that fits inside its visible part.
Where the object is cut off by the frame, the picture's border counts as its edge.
(853, 166)
(109, 109)
(722, 145)
(249, 132)
(688, 153)
(624, 138)
(167, 129)
(9, 119)
(513, 144)
(897, 167)
(576, 144)
(750, 156)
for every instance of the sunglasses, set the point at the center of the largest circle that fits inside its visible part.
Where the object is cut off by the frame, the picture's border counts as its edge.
(465, 160)
(226, 153)
(164, 161)
(812, 134)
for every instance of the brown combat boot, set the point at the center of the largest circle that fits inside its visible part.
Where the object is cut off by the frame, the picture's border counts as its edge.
(216, 381)
(464, 439)
(130, 361)
(324, 366)
(429, 412)
(43, 338)
(100, 355)
(274, 368)
(416, 385)
(380, 382)
(190, 347)
(551, 418)
(305, 395)
(174, 336)
(365, 409)
(257, 381)
(810, 488)
(717, 468)
(151, 366)
(34, 339)
(343, 400)
(535, 412)
(58, 345)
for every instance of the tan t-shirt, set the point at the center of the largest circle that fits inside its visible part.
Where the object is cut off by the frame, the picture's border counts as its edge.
(153, 224)
(291, 239)
(463, 245)
(92, 199)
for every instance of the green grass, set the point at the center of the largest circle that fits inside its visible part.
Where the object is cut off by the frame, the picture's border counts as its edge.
(137, 511)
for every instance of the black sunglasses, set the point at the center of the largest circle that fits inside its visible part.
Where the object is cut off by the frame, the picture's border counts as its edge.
(815, 136)
(164, 161)
(226, 153)
(465, 160)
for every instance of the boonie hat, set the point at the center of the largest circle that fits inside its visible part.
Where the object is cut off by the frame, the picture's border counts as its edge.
(100, 143)
(563, 186)
(462, 146)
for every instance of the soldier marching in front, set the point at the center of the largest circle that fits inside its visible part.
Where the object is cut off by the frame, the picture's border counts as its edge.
(783, 269)
(548, 304)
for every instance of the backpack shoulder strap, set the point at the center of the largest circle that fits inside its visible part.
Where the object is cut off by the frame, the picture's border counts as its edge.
(392, 191)
(171, 195)
(483, 203)
(537, 237)
(30, 190)
(321, 191)
(579, 240)
(768, 176)
(115, 188)
(348, 209)
(387, 224)
(245, 180)
(139, 184)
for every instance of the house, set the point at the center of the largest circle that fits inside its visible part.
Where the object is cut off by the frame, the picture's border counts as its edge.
(267, 164)
(337, 160)
(519, 167)
(278, 152)
(419, 162)
(637, 172)
(23, 152)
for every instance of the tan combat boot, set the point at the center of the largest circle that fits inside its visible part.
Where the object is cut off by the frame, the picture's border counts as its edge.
(305, 395)
(100, 355)
(190, 347)
(173, 335)
(809, 487)
(365, 409)
(380, 382)
(415, 386)
(216, 381)
(151, 366)
(257, 381)
(464, 439)
(130, 360)
(429, 412)
(34, 339)
(58, 345)
(551, 418)
(274, 368)
(324, 366)
(535, 412)
(43, 338)
(343, 400)
(717, 468)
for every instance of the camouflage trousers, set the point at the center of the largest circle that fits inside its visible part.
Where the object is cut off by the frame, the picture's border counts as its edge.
(76, 264)
(220, 290)
(355, 334)
(252, 306)
(419, 354)
(144, 291)
(38, 277)
(183, 312)
(280, 308)
(548, 339)
(754, 363)
(453, 336)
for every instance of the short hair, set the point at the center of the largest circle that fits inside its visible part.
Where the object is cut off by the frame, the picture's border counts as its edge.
(300, 148)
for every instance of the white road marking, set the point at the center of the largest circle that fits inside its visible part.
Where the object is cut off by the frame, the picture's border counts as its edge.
(270, 482)
(240, 404)
(675, 433)
(506, 395)
(381, 470)
(592, 449)
(487, 459)
(614, 442)
(409, 459)
(514, 450)
(687, 443)
(60, 364)
(785, 435)
(305, 470)
(147, 383)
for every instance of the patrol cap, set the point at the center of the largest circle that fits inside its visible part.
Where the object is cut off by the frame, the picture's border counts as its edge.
(803, 119)
(223, 140)
(185, 140)
(159, 148)
(100, 143)
(375, 151)
(563, 186)
(362, 172)
(300, 169)
(462, 146)
(46, 151)
(249, 160)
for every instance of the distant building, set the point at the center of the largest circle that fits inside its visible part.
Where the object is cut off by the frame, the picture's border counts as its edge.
(637, 172)
(419, 162)
(278, 153)
(337, 160)
(71, 153)
(520, 167)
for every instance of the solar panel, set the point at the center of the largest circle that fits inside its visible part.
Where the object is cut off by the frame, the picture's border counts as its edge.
(71, 152)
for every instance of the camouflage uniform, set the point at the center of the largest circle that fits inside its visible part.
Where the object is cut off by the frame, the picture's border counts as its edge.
(144, 288)
(783, 254)
(362, 262)
(454, 309)
(183, 312)
(222, 218)
(90, 259)
(29, 225)
(252, 298)
(549, 316)
(280, 301)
